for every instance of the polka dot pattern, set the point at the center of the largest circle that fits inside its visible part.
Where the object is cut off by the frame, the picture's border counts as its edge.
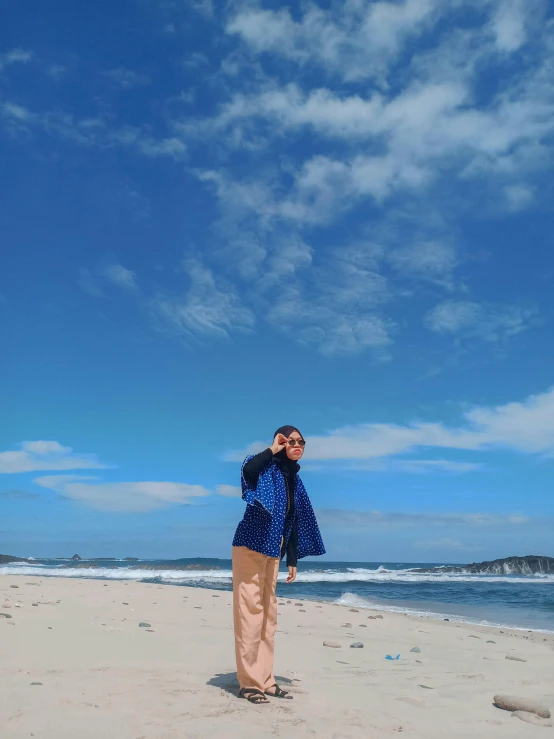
(263, 525)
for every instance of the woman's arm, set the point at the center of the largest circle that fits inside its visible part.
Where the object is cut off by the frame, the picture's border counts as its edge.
(253, 468)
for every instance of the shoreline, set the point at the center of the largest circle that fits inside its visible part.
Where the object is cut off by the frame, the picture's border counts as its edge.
(383, 607)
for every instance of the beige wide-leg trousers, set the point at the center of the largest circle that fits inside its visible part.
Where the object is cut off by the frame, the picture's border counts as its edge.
(255, 616)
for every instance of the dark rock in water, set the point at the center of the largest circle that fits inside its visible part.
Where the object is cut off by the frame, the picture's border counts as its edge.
(446, 619)
(529, 565)
(6, 559)
(130, 559)
(76, 556)
(357, 645)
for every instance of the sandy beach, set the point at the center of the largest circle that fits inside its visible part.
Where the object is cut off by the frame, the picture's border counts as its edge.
(74, 662)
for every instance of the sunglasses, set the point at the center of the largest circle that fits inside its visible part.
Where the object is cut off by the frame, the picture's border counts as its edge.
(294, 442)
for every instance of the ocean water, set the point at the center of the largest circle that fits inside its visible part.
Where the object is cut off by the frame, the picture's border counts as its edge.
(517, 601)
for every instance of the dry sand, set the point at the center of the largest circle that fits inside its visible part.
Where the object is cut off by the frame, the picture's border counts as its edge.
(101, 676)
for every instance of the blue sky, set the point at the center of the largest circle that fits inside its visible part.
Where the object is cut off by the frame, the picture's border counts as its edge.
(220, 218)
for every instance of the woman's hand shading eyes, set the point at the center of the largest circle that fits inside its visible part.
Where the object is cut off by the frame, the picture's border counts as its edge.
(279, 442)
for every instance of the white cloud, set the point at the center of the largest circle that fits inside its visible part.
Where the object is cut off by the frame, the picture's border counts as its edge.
(340, 518)
(229, 491)
(121, 276)
(440, 465)
(448, 544)
(209, 307)
(428, 260)
(56, 71)
(132, 497)
(15, 56)
(509, 23)
(337, 39)
(46, 455)
(127, 78)
(518, 197)
(489, 323)
(16, 112)
(526, 427)
(92, 132)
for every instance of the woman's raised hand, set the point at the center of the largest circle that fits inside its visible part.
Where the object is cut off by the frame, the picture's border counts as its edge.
(279, 442)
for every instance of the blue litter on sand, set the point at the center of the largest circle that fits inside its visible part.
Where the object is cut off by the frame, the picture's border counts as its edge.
(389, 657)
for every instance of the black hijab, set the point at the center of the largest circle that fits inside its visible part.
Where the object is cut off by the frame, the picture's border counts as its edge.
(289, 466)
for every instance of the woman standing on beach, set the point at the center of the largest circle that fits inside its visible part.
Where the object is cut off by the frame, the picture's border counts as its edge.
(278, 520)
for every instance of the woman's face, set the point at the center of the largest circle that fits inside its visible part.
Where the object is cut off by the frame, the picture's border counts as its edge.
(296, 451)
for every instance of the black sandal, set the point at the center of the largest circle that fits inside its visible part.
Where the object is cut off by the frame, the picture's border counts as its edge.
(253, 695)
(279, 693)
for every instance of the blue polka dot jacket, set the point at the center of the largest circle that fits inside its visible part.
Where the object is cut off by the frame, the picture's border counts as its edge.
(263, 527)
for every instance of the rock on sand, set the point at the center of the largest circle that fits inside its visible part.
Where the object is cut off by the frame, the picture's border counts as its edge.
(516, 703)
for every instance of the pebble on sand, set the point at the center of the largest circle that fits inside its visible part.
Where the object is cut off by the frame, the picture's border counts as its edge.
(5, 615)
(299, 604)
(36, 683)
(332, 644)
(372, 617)
(357, 645)
(144, 625)
(14, 586)
(514, 658)
(354, 610)
(490, 641)
(363, 626)
(347, 625)
(515, 703)
(301, 610)
(378, 617)
(415, 649)
(532, 718)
